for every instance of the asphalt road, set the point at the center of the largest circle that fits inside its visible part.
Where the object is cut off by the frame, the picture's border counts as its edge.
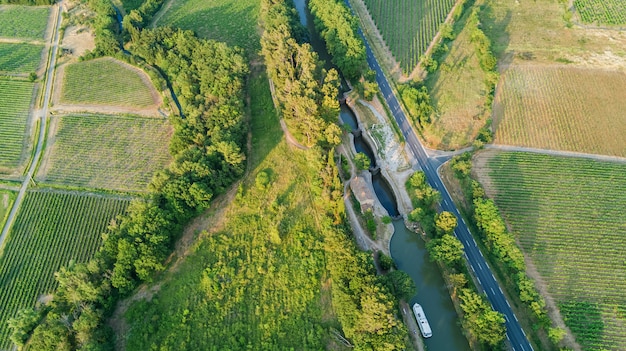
(42, 127)
(515, 334)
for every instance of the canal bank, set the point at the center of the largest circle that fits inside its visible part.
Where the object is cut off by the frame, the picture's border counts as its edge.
(381, 189)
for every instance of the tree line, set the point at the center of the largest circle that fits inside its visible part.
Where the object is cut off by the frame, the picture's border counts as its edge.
(501, 244)
(207, 147)
(339, 29)
(483, 324)
(305, 93)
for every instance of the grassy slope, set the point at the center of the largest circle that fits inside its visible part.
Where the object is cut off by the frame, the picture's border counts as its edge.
(15, 98)
(109, 152)
(19, 58)
(458, 94)
(6, 201)
(123, 85)
(50, 230)
(563, 108)
(230, 21)
(258, 281)
(568, 215)
(23, 22)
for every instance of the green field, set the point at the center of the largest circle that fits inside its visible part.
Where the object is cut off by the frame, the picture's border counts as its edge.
(409, 26)
(106, 82)
(611, 12)
(19, 58)
(107, 152)
(457, 91)
(231, 21)
(23, 22)
(50, 230)
(6, 201)
(15, 98)
(568, 214)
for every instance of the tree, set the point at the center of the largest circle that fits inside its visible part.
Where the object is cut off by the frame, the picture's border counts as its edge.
(445, 222)
(417, 102)
(447, 249)
(556, 335)
(386, 262)
(361, 161)
(22, 326)
(402, 285)
(482, 322)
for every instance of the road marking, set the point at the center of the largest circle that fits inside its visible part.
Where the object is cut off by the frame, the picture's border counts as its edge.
(479, 282)
(493, 291)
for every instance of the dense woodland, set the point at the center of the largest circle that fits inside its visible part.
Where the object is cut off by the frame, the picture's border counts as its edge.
(339, 28)
(306, 94)
(207, 146)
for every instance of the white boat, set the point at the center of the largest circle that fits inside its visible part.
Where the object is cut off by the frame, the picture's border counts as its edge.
(422, 322)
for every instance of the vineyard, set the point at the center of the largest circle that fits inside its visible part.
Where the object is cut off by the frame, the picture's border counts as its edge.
(15, 98)
(23, 22)
(568, 215)
(562, 108)
(409, 26)
(127, 153)
(118, 84)
(19, 58)
(50, 230)
(611, 12)
(214, 20)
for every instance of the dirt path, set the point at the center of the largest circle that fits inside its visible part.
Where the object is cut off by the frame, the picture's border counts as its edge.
(54, 42)
(557, 153)
(161, 12)
(290, 138)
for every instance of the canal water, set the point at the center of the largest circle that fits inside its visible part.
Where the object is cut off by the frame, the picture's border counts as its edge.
(408, 250)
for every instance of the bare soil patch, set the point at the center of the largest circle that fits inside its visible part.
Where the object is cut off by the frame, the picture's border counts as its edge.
(77, 41)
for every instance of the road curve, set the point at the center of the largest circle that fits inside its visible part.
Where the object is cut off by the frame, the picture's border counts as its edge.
(42, 127)
(515, 333)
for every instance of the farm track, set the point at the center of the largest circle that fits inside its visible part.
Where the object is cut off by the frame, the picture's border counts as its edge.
(556, 152)
(42, 130)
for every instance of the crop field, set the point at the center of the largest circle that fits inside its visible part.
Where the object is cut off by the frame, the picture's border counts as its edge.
(6, 201)
(568, 215)
(23, 22)
(231, 21)
(15, 98)
(19, 58)
(50, 230)
(562, 108)
(107, 152)
(409, 26)
(458, 93)
(118, 84)
(611, 12)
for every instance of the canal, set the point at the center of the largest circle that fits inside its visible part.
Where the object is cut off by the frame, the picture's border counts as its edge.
(407, 249)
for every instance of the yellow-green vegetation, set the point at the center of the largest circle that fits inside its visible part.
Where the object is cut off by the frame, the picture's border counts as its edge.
(458, 94)
(15, 99)
(278, 274)
(563, 108)
(408, 27)
(23, 22)
(231, 21)
(50, 230)
(19, 57)
(568, 215)
(106, 81)
(107, 152)
(611, 12)
(6, 201)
